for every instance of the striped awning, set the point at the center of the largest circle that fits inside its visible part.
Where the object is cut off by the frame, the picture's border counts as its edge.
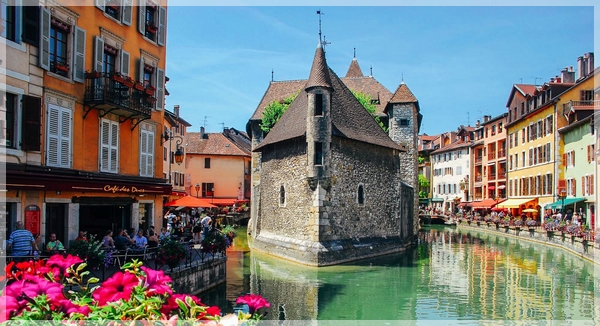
(515, 202)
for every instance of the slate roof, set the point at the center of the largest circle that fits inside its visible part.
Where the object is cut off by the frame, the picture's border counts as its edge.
(348, 116)
(370, 86)
(354, 69)
(403, 95)
(215, 144)
(452, 146)
(277, 91)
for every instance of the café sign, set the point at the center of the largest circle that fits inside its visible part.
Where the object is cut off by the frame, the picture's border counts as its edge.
(123, 189)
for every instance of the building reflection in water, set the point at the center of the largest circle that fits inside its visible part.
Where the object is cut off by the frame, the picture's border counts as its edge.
(449, 275)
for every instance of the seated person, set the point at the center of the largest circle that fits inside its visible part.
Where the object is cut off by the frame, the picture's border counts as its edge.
(121, 241)
(54, 245)
(152, 239)
(140, 240)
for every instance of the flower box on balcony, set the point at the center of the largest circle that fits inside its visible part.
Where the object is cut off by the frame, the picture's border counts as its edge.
(118, 78)
(128, 82)
(150, 90)
(92, 75)
(139, 86)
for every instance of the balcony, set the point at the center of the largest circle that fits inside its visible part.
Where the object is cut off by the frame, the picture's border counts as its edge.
(478, 159)
(491, 155)
(478, 178)
(501, 175)
(491, 176)
(501, 153)
(571, 105)
(118, 96)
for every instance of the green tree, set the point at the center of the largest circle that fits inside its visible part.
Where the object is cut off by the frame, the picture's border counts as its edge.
(365, 101)
(423, 182)
(274, 111)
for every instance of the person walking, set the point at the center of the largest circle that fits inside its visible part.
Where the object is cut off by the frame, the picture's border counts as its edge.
(205, 225)
(21, 241)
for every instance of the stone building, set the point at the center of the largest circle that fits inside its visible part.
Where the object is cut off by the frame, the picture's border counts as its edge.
(327, 180)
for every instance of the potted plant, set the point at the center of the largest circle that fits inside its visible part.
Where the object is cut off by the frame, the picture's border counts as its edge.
(151, 28)
(116, 76)
(139, 86)
(61, 66)
(128, 81)
(172, 253)
(91, 252)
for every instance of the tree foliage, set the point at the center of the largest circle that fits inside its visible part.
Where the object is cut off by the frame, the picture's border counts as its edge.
(423, 182)
(365, 101)
(274, 111)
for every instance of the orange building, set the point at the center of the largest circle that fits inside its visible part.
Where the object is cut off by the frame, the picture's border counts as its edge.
(90, 154)
(218, 165)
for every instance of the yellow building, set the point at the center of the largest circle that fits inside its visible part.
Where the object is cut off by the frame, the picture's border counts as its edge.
(531, 148)
(86, 151)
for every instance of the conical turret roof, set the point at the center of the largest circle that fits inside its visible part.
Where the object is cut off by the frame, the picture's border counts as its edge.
(354, 69)
(319, 74)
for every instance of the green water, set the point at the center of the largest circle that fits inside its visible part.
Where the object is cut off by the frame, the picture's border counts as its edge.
(453, 276)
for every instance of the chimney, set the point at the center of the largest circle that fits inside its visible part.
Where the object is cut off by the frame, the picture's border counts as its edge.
(552, 80)
(567, 76)
(580, 67)
(477, 124)
(486, 118)
(176, 110)
(201, 132)
(590, 63)
(558, 80)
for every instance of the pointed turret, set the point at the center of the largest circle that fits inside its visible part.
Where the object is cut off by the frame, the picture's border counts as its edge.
(319, 73)
(403, 95)
(354, 69)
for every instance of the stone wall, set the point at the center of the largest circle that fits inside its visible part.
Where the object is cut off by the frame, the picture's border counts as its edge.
(407, 136)
(199, 276)
(326, 225)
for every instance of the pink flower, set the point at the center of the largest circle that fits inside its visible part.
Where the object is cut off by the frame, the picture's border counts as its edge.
(171, 303)
(254, 302)
(34, 286)
(68, 307)
(157, 282)
(63, 262)
(9, 306)
(117, 287)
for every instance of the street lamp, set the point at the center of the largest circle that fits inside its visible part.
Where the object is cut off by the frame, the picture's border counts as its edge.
(178, 153)
(562, 195)
(213, 195)
(197, 189)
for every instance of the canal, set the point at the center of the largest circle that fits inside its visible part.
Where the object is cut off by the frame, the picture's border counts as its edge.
(451, 275)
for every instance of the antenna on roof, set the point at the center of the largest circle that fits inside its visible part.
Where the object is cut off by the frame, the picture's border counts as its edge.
(271, 74)
(205, 121)
(468, 124)
(222, 125)
(354, 53)
(535, 80)
(371, 69)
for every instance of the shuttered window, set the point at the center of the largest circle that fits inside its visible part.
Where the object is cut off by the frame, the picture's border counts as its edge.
(109, 146)
(146, 152)
(58, 147)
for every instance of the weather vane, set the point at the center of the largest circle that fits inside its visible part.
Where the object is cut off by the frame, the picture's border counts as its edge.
(322, 40)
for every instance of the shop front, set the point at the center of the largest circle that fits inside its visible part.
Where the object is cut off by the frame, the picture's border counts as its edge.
(64, 201)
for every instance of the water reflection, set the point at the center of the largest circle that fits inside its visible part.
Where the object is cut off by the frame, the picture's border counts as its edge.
(449, 275)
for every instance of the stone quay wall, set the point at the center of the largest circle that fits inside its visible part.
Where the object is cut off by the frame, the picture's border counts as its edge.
(576, 245)
(199, 277)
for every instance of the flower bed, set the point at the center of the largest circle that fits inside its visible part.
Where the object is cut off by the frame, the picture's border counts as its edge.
(36, 291)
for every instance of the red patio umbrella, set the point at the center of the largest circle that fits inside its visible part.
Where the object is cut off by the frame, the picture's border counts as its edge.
(189, 201)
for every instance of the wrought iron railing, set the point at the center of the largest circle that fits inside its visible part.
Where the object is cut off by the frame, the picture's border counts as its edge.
(103, 89)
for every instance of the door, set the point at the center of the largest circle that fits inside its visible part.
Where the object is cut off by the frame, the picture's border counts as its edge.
(56, 222)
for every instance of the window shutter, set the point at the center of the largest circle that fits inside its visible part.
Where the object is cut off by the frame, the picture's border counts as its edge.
(44, 54)
(98, 53)
(100, 4)
(160, 85)
(104, 145)
(125, 63)
(162, 23)
(114, 147)
(143, 152)
(53, 136)
(65, 138)
(142, 17)
(141, 71)
(31, 123)
(150, 155)
(592, 184)
(31, 22)
(573, 158)
(583, 186)
(79, 57)
(588, 153)
(127, 9)
(564, 159)
(573, 186)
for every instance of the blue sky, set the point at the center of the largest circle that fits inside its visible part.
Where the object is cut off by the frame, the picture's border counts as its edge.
(460, 61)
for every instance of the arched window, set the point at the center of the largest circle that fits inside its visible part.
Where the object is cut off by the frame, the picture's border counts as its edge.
(360, 196)
(281, 195)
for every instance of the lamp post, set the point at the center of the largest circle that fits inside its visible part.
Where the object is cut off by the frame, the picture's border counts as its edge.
(197, 187)
(178, 153)
(562, 194)
(213, 195)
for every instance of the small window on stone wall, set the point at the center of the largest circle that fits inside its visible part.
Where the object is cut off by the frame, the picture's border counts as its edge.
(404, 122)
(360, 196)
(281, 195)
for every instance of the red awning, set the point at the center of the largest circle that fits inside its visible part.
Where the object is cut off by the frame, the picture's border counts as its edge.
(189, 201)
(463, 204)
(484, 204)
(220, 201)
(491, 187)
